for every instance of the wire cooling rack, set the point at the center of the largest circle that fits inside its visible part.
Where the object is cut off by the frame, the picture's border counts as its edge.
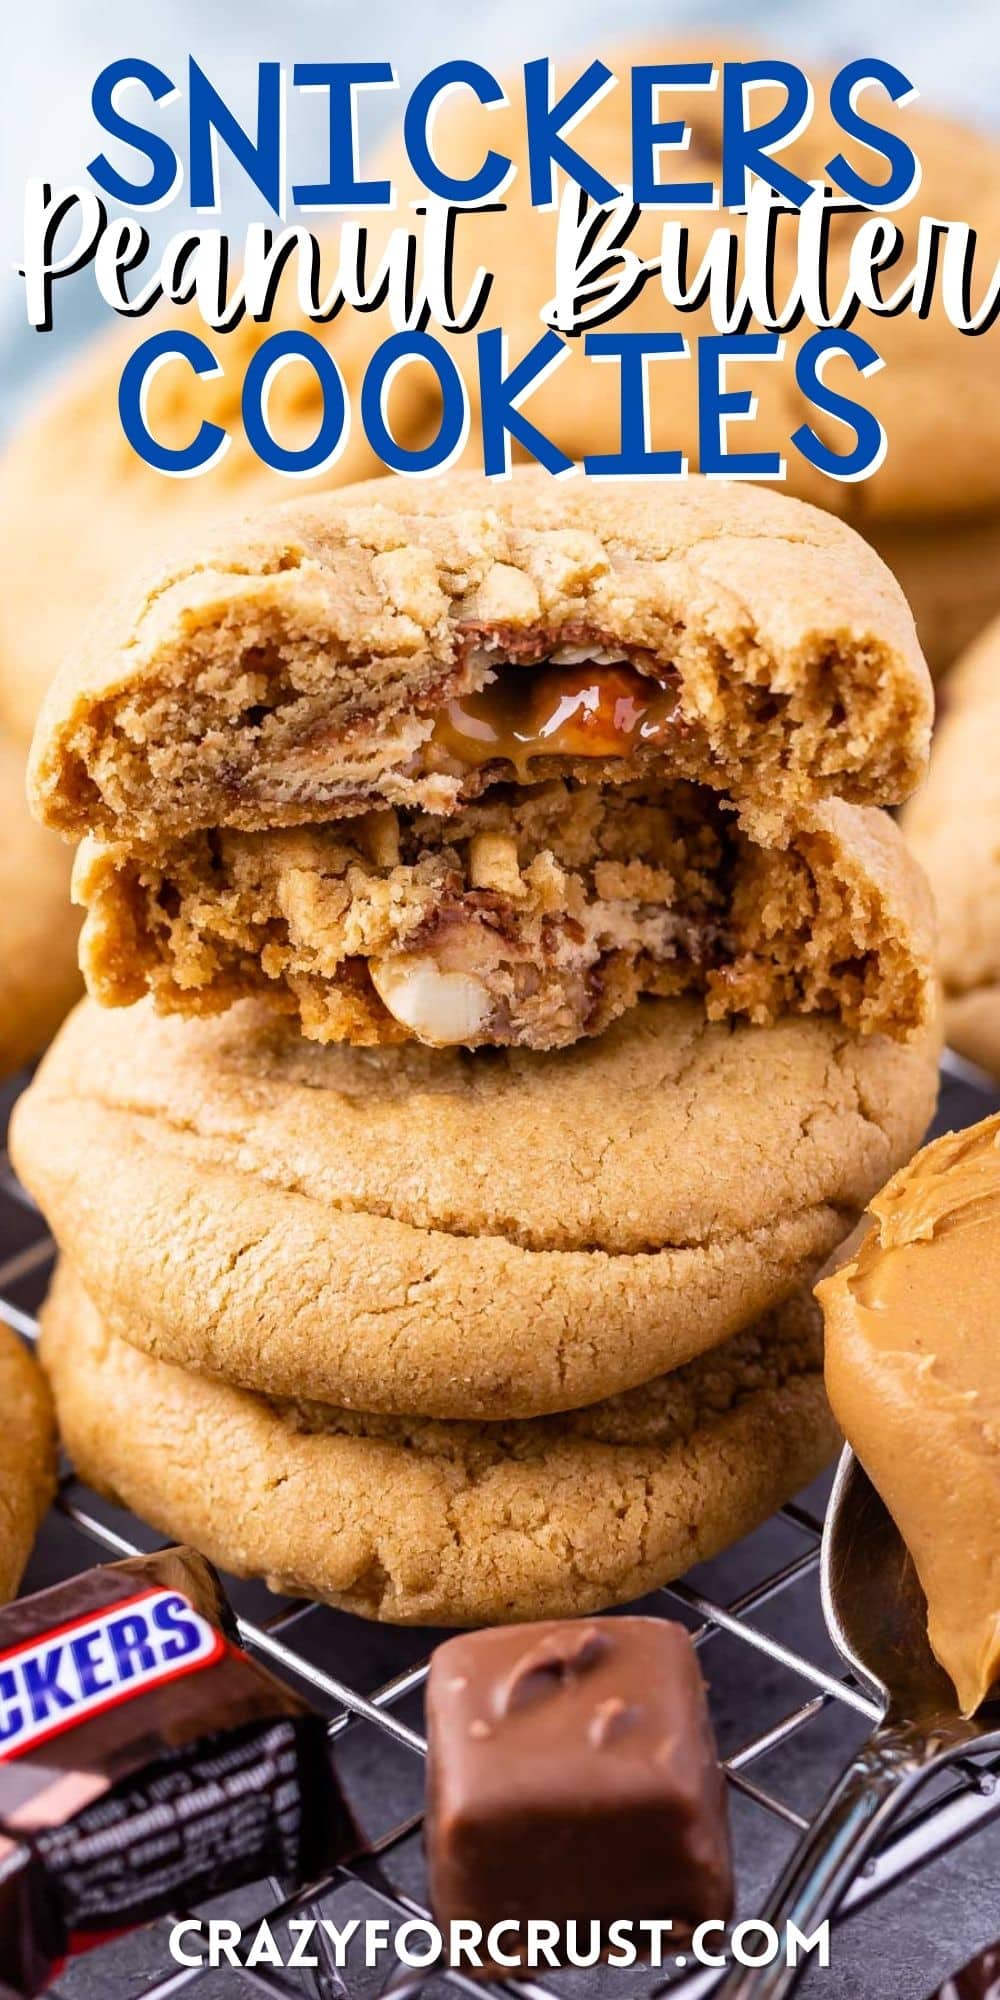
(787, 1718)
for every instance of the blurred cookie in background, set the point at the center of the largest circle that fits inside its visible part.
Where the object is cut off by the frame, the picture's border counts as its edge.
(953, 827)
(39, 928)
(27, 1458)
(82, 511)
(933, 508)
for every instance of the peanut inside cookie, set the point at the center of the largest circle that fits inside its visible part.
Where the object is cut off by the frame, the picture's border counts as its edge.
(533, 916)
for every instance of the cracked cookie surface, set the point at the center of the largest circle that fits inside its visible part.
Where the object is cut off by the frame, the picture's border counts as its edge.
(417, 1522)
(27, 1458)
(70, 481)
(309, 667)
(424, 1231)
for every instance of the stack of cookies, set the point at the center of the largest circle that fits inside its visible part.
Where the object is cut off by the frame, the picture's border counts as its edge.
(524, 994)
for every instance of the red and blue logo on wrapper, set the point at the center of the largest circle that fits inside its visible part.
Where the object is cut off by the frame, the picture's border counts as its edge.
(51, 1683)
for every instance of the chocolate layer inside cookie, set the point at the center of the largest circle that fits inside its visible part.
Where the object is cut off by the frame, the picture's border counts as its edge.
(530, 917)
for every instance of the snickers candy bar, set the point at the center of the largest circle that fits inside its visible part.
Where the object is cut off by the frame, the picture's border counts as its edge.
(573, 1776)
(146, 1762)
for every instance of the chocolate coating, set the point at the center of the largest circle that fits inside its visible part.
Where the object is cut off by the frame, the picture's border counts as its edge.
(573, 1776)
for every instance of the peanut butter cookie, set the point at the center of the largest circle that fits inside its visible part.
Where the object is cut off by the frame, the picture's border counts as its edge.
(27, 1458)
(464, 768)
(417, 1522)
(428, 1232)
(932, 509)
(69, 479)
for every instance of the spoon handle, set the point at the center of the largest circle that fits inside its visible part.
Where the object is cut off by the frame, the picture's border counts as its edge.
(828, 1857)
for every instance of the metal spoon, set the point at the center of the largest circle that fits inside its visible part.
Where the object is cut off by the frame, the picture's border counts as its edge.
(876, 1615)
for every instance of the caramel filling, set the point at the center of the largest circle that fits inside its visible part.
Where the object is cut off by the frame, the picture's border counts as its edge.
(524, 713)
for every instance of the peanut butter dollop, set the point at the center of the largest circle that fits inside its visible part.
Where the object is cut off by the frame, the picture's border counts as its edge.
(913, 1374)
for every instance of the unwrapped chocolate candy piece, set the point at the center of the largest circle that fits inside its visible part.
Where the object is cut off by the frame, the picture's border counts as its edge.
(573, 1777)
(146, 1761)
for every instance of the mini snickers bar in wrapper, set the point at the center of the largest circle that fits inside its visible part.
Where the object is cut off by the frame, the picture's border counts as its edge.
(979, 1980)
(146, 1763)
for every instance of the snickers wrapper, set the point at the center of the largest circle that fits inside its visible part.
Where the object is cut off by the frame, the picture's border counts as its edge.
(146, 1763)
